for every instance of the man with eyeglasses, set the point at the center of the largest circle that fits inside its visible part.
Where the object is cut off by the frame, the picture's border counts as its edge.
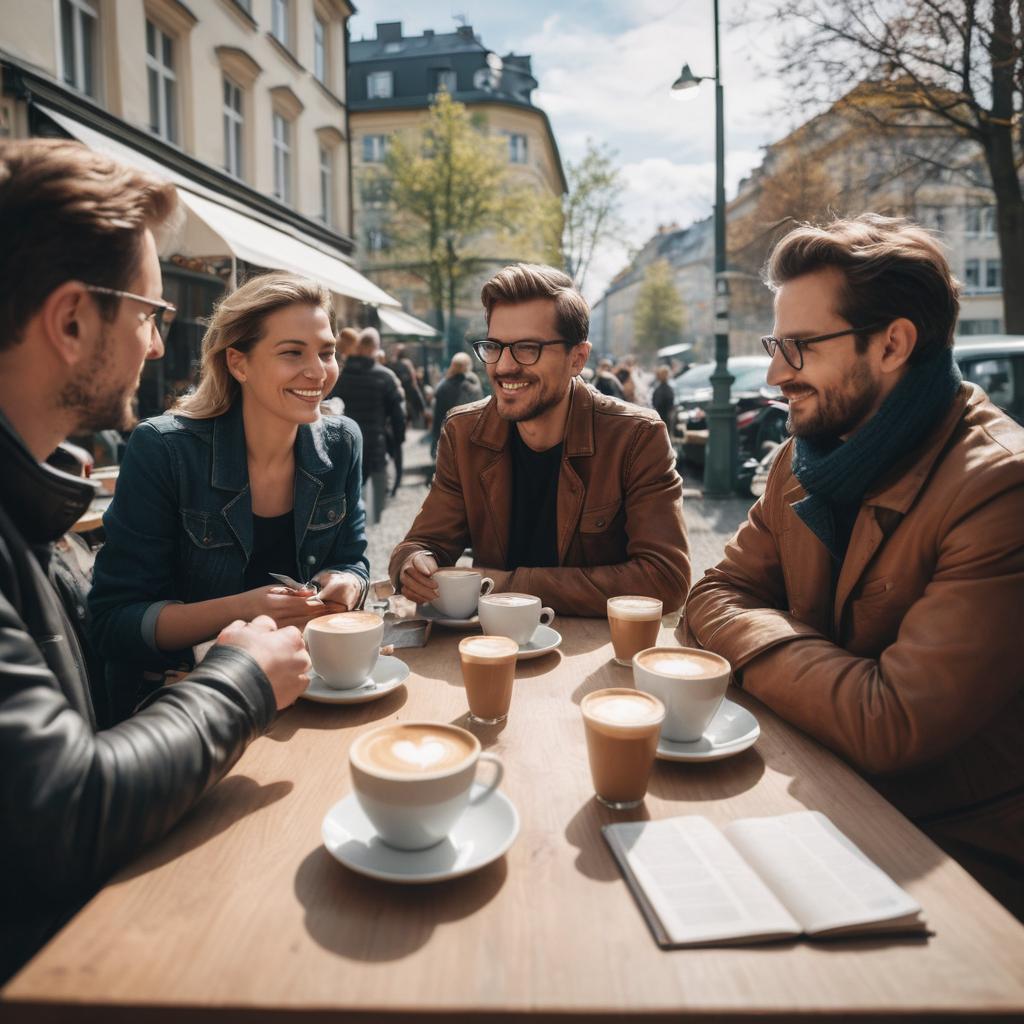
(875, 596)
(79, 313)
(560, 492)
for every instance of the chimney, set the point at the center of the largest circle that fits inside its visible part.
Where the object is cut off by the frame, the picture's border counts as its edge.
(465, 32)
(428, 33)
(389, 31)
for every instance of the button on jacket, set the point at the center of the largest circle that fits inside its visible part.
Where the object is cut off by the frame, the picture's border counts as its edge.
(620, 506)
(910, 667)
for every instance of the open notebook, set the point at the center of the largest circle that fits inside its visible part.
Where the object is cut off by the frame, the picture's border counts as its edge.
(756, 879)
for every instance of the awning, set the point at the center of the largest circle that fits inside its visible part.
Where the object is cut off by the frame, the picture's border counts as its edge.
(673, 350)
(394, 321)
(216, 226)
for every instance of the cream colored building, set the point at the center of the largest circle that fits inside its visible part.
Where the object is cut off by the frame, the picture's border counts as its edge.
(241, 103)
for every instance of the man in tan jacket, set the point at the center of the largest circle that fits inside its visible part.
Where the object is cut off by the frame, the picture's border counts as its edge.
(875, 596)
(560, 492)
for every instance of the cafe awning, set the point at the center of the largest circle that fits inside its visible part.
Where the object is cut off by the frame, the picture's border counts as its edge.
(394, 321)
(674, 350)
(218, 226)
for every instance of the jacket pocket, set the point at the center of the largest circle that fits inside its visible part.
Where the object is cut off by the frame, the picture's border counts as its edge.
(600, 519)
(328, 512)
(206, 530)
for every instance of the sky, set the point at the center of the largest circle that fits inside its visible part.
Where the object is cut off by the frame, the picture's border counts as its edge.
(605, 69)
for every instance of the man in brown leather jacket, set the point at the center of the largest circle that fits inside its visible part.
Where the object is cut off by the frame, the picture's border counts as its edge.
(875, 595)
(561, 492)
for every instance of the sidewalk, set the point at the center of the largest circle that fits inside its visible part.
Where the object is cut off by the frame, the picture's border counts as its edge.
(709, 523)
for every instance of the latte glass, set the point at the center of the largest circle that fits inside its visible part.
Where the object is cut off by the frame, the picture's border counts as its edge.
(488, 673)
(634, 623)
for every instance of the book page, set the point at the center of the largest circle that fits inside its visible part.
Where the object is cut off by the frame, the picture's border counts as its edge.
(821, 877)
(697, 884)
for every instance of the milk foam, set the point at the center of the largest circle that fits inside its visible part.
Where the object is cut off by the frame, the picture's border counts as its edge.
(488, 646)
(346, 622)
(638, 608)
(623, 709)
(413, 749)
(510, 600)
(681, 665)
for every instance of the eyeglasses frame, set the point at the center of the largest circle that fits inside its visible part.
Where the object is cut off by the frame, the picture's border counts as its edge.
(511, 346)
(771, 343)
(160, 308)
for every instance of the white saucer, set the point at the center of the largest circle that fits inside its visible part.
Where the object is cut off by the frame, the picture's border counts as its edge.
(387, 675)
(428, 611)
(544, 639)
(480, 836)
(732, 729)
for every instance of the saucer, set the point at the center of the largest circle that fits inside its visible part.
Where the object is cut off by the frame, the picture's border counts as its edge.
(387, 675)
(544, 639)
(480, 836)
(732, 729)
(428, 611)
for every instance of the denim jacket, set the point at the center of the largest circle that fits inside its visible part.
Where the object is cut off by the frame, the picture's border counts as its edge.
(180, 527)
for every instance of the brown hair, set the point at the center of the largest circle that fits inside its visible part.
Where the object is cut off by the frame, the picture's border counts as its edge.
(891, 269)
(238, 322)
(522, 282)
(67, 214)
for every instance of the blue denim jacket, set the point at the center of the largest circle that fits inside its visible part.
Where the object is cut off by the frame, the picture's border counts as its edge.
(180, 527)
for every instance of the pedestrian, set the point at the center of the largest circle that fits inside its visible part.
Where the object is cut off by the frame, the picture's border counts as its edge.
(663, 398)
(459, 387)
(606, 382)
(405, 370)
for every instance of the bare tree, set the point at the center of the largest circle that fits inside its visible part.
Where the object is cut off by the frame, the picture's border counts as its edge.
(591, 209)
(961, 61)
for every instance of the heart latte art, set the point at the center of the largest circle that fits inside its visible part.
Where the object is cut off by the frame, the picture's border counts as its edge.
(411, 749)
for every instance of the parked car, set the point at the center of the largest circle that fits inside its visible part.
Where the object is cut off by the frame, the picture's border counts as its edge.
(995, 362)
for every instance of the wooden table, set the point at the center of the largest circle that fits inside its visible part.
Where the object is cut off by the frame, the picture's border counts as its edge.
(241, 914)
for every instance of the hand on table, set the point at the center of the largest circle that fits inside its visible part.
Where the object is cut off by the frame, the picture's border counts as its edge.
(414, 579)
(280, 653)
(286, 607)
(339, 591)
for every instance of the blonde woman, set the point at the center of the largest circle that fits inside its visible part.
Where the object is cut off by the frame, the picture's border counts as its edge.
(242, 478)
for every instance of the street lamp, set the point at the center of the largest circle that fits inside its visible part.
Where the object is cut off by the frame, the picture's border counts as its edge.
(720, 457)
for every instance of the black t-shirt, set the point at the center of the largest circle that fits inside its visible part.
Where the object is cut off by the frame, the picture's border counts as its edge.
(273, 550)
(533, 531)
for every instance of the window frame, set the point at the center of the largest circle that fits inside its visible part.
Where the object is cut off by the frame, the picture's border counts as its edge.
(168, 92)
(80, 52)
(283, 153)
(233, 122)
(326, 175)
(281, 18)
(380, 151)
(380, 76)
(321, 49)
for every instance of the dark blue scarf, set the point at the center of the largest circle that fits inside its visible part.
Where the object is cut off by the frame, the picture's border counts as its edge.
(836, 474)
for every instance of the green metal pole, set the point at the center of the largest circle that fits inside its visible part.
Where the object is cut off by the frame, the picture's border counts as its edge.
(720, 458)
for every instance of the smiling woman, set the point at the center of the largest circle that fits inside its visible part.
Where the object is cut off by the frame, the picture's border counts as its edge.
(244, 477)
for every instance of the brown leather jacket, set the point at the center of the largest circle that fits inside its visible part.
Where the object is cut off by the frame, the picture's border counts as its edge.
(911, 669)
(620, 506)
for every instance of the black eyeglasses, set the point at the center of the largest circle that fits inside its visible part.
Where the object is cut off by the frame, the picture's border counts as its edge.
(793, 348)
(525, 352)
(161, 313)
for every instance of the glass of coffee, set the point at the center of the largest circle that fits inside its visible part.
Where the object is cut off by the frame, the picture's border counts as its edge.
(488, 672)
(344, 647)
(413, 780)
(459, 590)
(622, 727)
(634, 623)
(690, 683)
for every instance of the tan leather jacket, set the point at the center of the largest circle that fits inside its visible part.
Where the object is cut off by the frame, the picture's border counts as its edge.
(912, 669)
(620, 506)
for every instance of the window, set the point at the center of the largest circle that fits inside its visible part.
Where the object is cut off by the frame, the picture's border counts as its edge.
(993, 274)
(282, 158)
(517, 148)
(279, 18)
(326, 185)
(988, 222)
(320, 50)
(376, 240)
(233, 122)
(970, 327)
(375, 149)
(973, 222)
(78, 45)
(972, 273)
(444, 78)
(379, 85)
(163, 119)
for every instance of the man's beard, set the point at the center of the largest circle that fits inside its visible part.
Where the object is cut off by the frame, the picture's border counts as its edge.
(541, 403)
(97, 403)
(839, 411)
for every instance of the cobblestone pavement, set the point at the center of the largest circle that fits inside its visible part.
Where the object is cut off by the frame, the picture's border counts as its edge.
(709, 523)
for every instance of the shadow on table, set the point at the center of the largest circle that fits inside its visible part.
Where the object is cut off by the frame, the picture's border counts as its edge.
(226, 803)
(539, 666)
(362, 919)
(584, 832)
(309, 715)
(712, 780)
(609, 674)
(486, 734)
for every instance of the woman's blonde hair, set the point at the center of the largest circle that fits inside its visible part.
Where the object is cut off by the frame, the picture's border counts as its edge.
(238, 323)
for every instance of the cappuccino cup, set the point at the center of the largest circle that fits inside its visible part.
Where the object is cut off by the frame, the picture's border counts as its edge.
(413, 780)
(459, 590)
(488, 672)
(634, 623)
(344, 647)
(689, 682)
(622, 728)
(513, 615)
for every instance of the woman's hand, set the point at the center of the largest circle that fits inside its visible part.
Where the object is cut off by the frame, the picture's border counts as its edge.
(286, 607)
(339, 591)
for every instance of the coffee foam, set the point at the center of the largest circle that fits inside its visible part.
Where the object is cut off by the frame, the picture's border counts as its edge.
(456, 572)
(414, 749)
(638, 608)
(627, 710)
(511, 600)
(346, 622)
(486, 648)
(682, 665)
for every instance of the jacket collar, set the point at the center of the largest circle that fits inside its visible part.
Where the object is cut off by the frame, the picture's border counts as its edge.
(491, 430)
(230, 468)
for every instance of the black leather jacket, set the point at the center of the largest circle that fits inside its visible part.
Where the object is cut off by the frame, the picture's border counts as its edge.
(76, 803)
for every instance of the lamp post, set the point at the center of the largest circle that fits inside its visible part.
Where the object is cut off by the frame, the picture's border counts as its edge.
(720, 457)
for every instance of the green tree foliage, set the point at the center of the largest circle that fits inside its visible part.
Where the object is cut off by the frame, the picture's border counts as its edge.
(658, 315)
(591, 208)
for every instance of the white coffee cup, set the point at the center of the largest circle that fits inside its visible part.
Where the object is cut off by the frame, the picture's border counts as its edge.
(459, 590)
(513, 615)
(413, 780)
(344, 647)
(690, 683)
